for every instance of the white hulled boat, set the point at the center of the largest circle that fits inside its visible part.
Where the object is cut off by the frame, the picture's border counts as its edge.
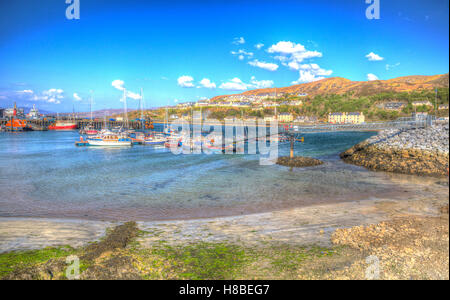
(109, 139)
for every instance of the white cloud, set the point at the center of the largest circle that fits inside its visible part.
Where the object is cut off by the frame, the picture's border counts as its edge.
(239, 41)
(206, 83)
(186, 81)
(284, 47)
(260, 84)
(242, 54)
(25, 92)
(51, 96)
(234, 84)
(374, 57)
(293, 65)
(119, 84)
(388, 66)
(292, 51)
(54, 101)
(371, 77)
(237, 84)
(292, 55)
(259, 46)
(134, 96)
(263, 65)
(310, 73)
(76, 97)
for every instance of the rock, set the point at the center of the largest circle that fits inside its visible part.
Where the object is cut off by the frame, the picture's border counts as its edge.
(414, 151)
(298, 161)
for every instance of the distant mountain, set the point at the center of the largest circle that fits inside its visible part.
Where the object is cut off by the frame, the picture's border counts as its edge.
(339, 85)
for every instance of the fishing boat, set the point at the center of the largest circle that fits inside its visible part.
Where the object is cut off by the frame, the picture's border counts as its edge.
(109, 139)
(137, 138)
(214, 144)
(63, 125)
(156, 139)
(16, 124)
(37, 127)
(173, 141)
(89, 130)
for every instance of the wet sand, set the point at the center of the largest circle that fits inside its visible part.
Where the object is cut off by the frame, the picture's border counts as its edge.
(307, 225)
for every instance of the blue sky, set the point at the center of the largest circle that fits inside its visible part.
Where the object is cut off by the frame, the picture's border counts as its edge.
(179, 51)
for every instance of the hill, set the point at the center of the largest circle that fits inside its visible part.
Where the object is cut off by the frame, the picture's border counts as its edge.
(339, 85)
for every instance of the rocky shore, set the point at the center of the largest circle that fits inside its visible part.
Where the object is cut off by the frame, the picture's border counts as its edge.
(414, 151)
(298, 161)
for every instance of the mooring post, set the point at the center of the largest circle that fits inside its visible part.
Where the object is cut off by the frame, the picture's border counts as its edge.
(291, 155)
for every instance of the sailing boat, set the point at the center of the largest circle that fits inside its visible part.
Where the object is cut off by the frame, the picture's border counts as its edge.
(108, 138)
(90, 128)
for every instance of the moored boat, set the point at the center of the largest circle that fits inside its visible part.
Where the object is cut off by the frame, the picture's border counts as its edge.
(157, 139)
(173, 141)
(63, 125)
(17, 125)
(109, 140)
(89, 130)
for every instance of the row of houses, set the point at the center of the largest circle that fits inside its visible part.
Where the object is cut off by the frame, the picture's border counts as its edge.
(242, 104)
(262, 96)
(401, 105)
(281, 117)
(346, 118)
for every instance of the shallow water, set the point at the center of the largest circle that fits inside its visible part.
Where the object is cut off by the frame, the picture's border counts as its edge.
(42, 174)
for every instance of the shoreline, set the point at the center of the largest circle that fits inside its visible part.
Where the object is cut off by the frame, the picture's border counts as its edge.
(409, 238)
(422, 152)
(301, 225)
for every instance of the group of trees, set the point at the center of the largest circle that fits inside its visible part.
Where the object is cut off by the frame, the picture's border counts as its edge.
(371, 106)
(321, 105)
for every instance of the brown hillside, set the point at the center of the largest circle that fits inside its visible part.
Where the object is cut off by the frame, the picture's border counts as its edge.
(339, 85)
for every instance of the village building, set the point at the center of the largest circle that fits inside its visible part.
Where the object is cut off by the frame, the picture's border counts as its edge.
(285, 117)
(422, 103)
(269, 118)
(346, 118)
(394, 105)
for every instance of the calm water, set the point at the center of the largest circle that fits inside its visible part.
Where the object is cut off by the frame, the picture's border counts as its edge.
(42, 174)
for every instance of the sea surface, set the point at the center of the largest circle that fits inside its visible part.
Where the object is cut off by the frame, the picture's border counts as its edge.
(43, 174)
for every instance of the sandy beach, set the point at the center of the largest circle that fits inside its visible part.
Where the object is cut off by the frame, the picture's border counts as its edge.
(310, 226)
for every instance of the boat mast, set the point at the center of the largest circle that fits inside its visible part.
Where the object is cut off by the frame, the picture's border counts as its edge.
(90, 105)
(125, 117)
(141, 104)
(166, 118)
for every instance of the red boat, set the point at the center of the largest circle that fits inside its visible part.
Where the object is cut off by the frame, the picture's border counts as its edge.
(63, 125)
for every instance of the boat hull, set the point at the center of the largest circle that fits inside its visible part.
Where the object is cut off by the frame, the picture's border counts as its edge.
(62, 127)
(154, 142)
(109, 144)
